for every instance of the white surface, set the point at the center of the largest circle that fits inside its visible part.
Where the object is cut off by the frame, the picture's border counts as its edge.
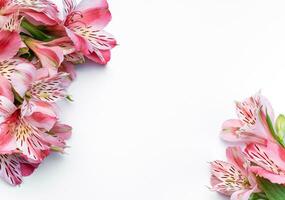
(146, 126)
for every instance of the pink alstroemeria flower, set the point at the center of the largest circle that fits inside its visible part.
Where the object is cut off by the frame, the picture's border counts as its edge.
(269, 160)
(36, 11)
(233, 178)
(251, 125)
(10, 40)
(50, 57)
(84, 26)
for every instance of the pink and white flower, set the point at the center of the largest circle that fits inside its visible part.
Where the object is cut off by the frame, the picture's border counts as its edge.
(233, 178)
(251, 125)
(84, 26)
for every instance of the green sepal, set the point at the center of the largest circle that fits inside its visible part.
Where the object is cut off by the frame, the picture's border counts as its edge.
(272, 130)
(280, 128)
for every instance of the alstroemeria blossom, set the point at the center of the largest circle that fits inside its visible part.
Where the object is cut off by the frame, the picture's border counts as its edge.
(84, 25)
(269, 160)
(251, 124)
(233, 178)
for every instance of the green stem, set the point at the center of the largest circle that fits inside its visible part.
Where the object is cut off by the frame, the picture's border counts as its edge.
(35, 32)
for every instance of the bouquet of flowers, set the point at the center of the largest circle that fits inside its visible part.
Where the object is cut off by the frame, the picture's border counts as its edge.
(255, 169)
(38, 51)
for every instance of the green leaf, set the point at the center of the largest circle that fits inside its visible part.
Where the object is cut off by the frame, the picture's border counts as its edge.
(273, 191)
(275, 134)
(258, 196)
(280, 127)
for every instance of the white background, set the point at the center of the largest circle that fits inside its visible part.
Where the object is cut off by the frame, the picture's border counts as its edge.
(147, 124)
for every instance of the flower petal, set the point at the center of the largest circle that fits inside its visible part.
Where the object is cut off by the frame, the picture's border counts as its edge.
(39, 114)
(7, 107)
(68, 67)
(270, 157)
(242, 194)
(27, 168)
(62, 130)
(30, 141)
(232, 132)
(50, 89)
(274, 178)
(43, 11)
(10, 40)
(19, 73)
(6, 89)
(237, 157)
(64, 43)
(7, 142)
(75, 58)
(94, 13)
(10, 43)
(96, 39)
(50, 57)
(69, 6)
(100, 56)
(10, 169)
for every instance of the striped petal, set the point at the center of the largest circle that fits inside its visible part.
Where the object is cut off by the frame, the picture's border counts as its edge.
(10, 169)
(42, 11)
(68, 6)
(95, 39)
(269, 159)
(30, 141)
(50, 89)
(248, 110)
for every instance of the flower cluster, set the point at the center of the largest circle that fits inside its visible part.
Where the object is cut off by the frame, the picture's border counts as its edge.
(39, 47)
(256, 163)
